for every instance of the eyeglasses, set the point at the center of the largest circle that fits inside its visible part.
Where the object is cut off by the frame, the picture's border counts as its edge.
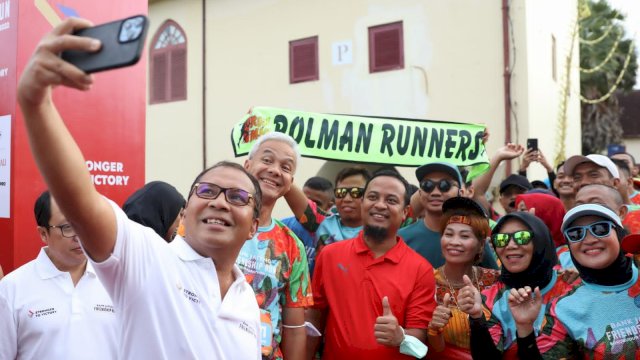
(522, 237)
(598, 229)
(355, 192)
(66, 230)
(443, 185)
(211, 191)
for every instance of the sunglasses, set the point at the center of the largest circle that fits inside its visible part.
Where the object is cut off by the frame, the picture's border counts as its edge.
(598, 229)
(443, 185)
(522, 237)
(211, 191)
(355, 192)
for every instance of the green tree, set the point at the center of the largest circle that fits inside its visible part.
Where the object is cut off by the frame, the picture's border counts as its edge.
(607, 67)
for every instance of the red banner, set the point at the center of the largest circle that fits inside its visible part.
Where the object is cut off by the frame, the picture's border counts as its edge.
(108, 122)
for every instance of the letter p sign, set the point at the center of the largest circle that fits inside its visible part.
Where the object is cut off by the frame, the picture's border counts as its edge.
(342, 52)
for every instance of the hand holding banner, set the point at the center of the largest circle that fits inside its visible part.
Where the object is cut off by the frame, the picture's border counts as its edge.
(372, 140)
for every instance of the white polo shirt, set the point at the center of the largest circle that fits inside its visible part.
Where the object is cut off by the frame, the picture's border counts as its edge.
(43, 316)
(170, 300)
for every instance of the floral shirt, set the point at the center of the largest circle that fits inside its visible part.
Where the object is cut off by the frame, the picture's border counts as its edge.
(603, 320)
(275, 265)
(553, 342)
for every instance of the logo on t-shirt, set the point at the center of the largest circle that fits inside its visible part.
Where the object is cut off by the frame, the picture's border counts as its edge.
(191, 296)
(40, 313)
(104, 308)
(624, 331)
(244, 326)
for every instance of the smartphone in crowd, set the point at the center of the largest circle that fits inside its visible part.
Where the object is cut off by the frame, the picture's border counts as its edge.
(532, 144)
(122, 43)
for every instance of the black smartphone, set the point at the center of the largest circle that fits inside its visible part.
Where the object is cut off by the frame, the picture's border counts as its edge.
(122, 43)
(532, 144)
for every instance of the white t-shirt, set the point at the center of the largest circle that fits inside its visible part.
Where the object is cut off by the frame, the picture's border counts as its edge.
(43, 316)
(170, 300)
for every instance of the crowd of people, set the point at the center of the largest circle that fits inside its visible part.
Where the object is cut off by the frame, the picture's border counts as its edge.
(368, 266)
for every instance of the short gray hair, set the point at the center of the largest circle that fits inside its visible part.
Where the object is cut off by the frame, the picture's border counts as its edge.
(276, 136)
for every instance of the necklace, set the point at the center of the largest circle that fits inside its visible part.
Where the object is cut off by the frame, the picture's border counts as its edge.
(452, 291)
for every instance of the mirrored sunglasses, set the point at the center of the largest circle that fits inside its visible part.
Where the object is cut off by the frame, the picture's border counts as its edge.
(355, 192)
(522, 237)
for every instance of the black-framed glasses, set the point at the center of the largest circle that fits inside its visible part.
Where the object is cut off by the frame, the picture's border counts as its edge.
(355, 192)
(66, 230)
(598, 229)
(443, 185)
(522, 237)
(234, 196)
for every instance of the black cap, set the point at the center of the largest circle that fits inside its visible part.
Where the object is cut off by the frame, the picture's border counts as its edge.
(515, 180)
(539, 183)
(460, 202)
(443, 167)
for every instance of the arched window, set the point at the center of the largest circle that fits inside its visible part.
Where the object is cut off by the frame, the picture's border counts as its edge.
(168, 69)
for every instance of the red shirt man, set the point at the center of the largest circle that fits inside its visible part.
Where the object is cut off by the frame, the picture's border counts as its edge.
(353, 277)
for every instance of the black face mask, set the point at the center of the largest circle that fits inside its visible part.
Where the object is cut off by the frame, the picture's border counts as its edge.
(543, 259)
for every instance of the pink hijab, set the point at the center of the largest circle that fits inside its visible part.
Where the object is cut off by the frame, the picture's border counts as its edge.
(549, 209)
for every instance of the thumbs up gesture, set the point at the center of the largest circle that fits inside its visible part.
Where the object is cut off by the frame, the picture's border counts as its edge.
(387, 330)
(441, 314)
(469, 299)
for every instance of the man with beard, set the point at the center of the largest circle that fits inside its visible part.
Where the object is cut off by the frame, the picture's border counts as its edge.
(373, 295)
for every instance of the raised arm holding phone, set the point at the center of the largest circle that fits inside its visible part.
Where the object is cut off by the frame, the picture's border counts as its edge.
(177, 300)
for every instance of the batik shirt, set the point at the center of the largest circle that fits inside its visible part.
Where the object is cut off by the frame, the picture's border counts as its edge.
(275, 265)
(552, 341)
(603, 320)
(456, 332)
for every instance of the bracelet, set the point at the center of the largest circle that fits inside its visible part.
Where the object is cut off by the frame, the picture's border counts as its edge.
(434, 332)
(293, 326)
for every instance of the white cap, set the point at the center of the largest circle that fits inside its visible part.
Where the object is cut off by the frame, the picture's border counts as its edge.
(589, 209)
(597, 159)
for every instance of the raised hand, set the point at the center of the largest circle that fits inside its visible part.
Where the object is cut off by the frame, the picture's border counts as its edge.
(387, 331)
(469, 299)
(529, 156)
(441, 314)
(47, 69)
(525, 306)
(543, 161)
(509, 151)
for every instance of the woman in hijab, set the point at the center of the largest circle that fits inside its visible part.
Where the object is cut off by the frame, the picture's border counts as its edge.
(551, 211)
(157, 205)
(602, 313)
(500, 329)
(464, 231)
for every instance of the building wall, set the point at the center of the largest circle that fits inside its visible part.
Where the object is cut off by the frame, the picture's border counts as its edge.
(540, 118)
(453, 67)
(174, 129)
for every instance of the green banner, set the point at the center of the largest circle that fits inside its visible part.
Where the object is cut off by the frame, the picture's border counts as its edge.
(373, 140)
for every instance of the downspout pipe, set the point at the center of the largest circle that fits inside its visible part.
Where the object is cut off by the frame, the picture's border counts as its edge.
(507, 78)
(204, 84)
